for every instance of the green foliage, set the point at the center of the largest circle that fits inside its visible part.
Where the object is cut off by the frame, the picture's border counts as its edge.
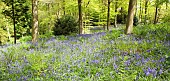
(110, 56)
(166, 17)
(3, 36)
(22, 15)
(114, 34)
(153, 31)
(25, 39)
(46, 35)
(65, 26)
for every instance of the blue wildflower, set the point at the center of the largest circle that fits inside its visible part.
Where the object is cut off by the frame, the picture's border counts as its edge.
(160, 71)
(162, 59)
(95, 61)
(127, 63)
(115, 66)
(137, 56)
(84, 60)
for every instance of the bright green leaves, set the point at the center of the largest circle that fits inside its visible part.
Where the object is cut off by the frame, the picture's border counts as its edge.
(22, 16)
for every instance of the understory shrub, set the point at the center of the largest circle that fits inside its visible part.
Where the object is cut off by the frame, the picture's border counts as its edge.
(104, 56)
(25, 39)
(65, 26)
(3, 36)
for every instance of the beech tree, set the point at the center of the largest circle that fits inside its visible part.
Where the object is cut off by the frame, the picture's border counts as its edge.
(131, 12)
(18, 12)
(108, 15)
(146, 9)
(64, 10)
(13, 14)
(116, 7)
(35, 21)
(80, 17)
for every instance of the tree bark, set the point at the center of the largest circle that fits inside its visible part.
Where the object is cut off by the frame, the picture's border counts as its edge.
(115, 21)
(13, 13)
(80, 17)
(108, 15)
(156, 13)
(35, 21)
(146, 9)
(131, 12)
(64, 10)
(140, 12)
(122, 15)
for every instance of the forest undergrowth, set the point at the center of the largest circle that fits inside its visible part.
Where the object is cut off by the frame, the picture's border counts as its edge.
(104, 56)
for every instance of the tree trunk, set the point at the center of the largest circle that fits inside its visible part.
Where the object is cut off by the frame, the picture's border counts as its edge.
(48, 11)
(146, 9)
(64, 10)
(13, 13)
(80, 17)
(35, 21)
(131, 12)
(122, 15)
(167, 4)
(156, 13)
(108, 15)
(115, 21)
(140, 12)
(136, 11)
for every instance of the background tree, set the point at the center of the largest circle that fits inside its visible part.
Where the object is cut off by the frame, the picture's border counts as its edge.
(13, 17)
(18, 11)
(131, 12)
(158, 4)
(146, 9)
(80, 17)
(108, 14)
(94, 15)
(116, 7)
(35, 21)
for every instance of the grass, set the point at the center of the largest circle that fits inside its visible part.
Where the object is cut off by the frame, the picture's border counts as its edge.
(105, 56)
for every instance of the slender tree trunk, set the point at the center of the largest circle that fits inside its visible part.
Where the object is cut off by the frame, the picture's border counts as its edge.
(115, 21)
(136, 11)
(103, 10)
(122, 15)
(140, 12)
(167, 5)
(58, 10)
(131, 12)
(156, 14)
(48, 11)
(108, 15)
(146, 9)
(64, 10)
(13, 13)
(80, 17)
(35, 21)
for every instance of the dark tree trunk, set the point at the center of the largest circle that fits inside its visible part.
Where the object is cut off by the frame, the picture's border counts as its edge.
(131, 12)
(122, 15)
(108, 15)
(35, 21)
(13, 13)
(48, 11)
(64, 10)
(156, 14)
(146, 9)
(140, 12)
(80, 17)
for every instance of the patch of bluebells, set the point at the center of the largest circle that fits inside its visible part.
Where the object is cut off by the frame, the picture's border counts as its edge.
(84, 57)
